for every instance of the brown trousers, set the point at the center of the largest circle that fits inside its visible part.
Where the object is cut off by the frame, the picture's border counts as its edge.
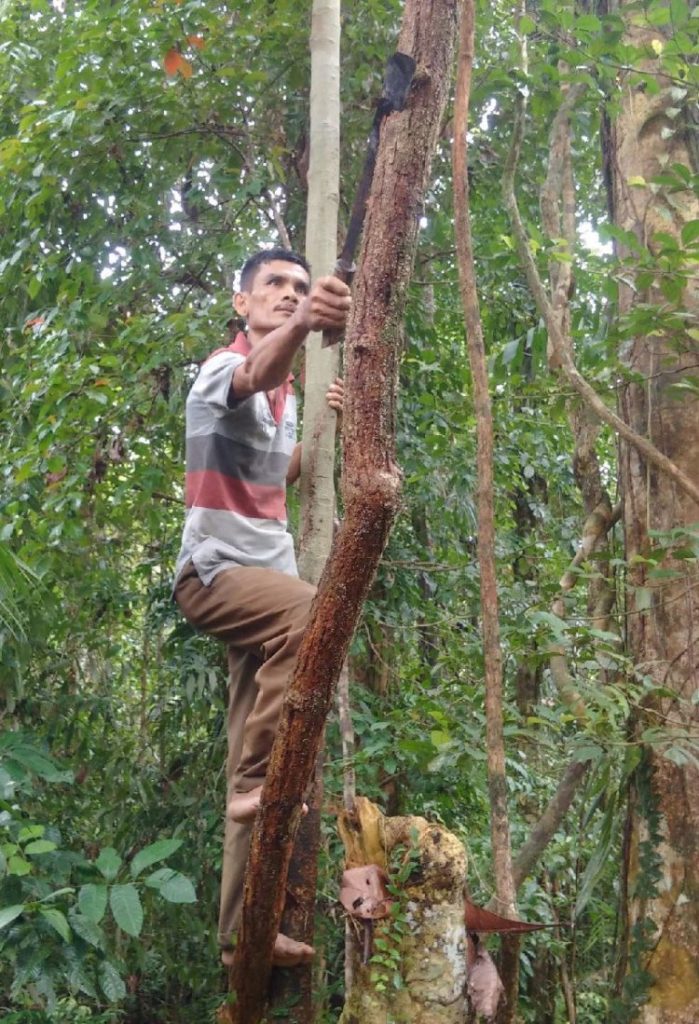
(261, 615)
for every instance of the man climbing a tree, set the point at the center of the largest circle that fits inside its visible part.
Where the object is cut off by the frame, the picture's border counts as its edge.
(236, 572)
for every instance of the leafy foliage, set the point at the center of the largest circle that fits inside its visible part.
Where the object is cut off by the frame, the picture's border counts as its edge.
(142, 157)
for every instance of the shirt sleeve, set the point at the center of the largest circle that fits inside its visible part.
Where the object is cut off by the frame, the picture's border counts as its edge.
(213, 385)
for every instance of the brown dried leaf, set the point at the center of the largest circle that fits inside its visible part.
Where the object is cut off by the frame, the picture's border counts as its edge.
(197, 41)
(364, 894)
(171, 62)
(484, 985)
(480, 920)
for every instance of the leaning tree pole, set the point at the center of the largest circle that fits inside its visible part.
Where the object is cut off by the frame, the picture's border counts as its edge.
(371, 483)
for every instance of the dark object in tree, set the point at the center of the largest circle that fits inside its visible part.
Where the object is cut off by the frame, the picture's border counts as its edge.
(397, 81)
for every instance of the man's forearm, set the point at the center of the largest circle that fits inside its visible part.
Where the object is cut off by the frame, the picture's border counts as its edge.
(269, 363)
(294, 469)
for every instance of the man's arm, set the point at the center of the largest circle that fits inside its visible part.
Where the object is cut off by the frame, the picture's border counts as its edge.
(334, 396)
(269, 363)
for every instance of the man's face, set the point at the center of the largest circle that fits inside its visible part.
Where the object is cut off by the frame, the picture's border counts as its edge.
(272, 297)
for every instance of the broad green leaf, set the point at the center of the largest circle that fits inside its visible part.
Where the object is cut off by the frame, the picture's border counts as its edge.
(178, 889)
(57, 920)
(8, 914)
(30, 832)
(92, 900)
(87, 930)
(126, 907)
(17, 865)
(152, 854)
(40, 846)
(690, 232)
(111, 982)
(108, 863)
(159, 877)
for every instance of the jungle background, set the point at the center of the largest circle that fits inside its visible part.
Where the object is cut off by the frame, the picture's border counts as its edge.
(146, 150)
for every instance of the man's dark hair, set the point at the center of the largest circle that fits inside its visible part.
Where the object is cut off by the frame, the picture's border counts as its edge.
(253, 264)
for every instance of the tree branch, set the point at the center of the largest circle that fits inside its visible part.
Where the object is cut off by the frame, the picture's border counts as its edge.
(564, 357)
(500, 829)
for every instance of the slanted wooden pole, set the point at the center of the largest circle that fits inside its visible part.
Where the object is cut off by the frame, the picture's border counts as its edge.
(371, 484)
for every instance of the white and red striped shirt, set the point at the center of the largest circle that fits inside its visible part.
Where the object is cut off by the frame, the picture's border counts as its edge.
(238, 454)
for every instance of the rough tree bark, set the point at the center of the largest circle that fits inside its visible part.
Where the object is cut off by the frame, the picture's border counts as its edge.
(430, 950)
(505, 895)
(371, 484)
(294, 988)
(650, 135)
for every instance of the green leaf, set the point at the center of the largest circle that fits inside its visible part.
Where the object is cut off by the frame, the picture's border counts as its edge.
(30, 832)
(111, 982)
(126, 907)
(690, 232)
(159, 877)
(8, 914)
(17, 865)
(40, 846)
(527, 25)
(92, 900)
(178, 889)
(152, 854)
(108, 863)
(87, 930)
(57, 920)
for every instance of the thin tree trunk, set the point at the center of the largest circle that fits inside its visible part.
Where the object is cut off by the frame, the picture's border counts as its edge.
(322, 364)
(293, 989)
(371, 485)
(497, 784)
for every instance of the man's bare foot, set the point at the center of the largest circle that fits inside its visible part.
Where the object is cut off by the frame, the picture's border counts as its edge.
(290, 953)
(287, 953)
(243, 807)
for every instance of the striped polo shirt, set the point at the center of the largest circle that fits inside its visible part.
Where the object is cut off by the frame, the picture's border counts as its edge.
(238, 454)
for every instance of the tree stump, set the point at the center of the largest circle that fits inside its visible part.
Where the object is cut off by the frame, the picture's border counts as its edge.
(431, 950)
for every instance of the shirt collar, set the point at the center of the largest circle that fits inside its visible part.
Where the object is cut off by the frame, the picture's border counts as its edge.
(242, 346)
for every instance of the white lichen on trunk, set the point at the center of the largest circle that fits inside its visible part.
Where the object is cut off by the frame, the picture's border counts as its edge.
(430, 952)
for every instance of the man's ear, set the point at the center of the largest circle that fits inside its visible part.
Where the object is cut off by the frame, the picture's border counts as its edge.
(240, 303)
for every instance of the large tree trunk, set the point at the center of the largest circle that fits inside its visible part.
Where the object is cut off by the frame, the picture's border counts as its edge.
(650, 135)
(371, 484)
(294, 988)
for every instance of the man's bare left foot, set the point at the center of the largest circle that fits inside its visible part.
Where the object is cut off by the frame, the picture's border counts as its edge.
(287, 953)
(243, 807)
(290, 953)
